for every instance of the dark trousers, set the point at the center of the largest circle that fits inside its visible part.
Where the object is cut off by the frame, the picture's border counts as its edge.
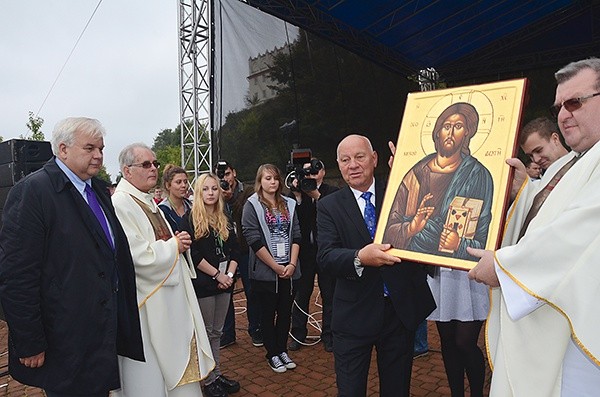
(252, 307)
(394, 346)
(276, 312)
(304, 289)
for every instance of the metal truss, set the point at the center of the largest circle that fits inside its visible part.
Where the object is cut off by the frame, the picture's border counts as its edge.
(195, 65)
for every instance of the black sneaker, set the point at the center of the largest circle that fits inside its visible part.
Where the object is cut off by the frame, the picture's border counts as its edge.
(287, 361)
(214, 390)
(257, 340)
(230, 385)
(225, 343)
(276, 364)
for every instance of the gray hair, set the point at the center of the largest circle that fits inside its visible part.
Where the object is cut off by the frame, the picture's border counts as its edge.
(127, 155)
(567, 72)
(64, 131)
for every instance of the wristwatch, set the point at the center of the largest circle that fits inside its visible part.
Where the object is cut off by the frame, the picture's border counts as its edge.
(229, 274)
(357, 262)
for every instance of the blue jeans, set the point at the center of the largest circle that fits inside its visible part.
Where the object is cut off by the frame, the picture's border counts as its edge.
(421, 344)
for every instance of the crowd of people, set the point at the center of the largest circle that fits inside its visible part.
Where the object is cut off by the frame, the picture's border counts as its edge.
(128, 289)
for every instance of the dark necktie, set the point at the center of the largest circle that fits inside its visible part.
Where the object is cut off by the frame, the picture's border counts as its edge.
(539, 198)
(97, 210)
(370, 219)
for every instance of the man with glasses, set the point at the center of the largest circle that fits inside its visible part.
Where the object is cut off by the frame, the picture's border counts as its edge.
(67, 281)
(176, 346)
(543, 325)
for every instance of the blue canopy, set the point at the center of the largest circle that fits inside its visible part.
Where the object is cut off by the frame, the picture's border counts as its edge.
(460, 39)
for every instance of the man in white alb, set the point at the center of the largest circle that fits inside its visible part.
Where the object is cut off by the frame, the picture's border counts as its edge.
(543, 325)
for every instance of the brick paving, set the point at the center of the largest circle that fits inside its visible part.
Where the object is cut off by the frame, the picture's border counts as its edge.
(314, 376)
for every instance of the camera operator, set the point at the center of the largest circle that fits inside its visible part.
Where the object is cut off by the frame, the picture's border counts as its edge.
(306, 206)
(235, 197)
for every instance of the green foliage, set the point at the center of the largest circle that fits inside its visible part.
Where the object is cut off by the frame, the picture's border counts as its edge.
(35, 126)
(104, 175)
(337, 93)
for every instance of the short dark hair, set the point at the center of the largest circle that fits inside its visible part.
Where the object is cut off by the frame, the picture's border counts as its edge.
(542, 125)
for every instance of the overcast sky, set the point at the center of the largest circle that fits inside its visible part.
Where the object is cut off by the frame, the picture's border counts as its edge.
(124, 71)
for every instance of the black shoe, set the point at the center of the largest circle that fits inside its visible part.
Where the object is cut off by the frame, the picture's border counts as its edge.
(230, 385)
(214, 390)
(328, 346)
(257, 340)
(225, 343)
(294, 345)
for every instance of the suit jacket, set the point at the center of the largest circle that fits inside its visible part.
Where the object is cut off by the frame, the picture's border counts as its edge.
(358, 302)
(307, 215)
(58, 286)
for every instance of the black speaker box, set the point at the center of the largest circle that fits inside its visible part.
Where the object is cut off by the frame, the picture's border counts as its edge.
(12, 173)
(24, 151)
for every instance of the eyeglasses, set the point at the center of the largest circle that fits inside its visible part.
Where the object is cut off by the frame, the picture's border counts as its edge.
(571, 104)
(146, 164)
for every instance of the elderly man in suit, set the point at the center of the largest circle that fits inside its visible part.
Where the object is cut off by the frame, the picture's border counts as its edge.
(67, 281)
(378, 301)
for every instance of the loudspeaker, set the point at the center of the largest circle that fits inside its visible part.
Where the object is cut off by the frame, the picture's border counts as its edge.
(12, 173)
(24, 151)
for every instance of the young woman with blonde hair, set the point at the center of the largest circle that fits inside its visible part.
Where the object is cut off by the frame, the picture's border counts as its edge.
(215, 253)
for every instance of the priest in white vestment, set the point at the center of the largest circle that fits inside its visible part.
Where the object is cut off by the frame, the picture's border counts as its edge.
(176, 346)
(542, 332)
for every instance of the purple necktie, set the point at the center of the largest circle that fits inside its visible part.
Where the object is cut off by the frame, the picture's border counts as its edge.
(97, 210)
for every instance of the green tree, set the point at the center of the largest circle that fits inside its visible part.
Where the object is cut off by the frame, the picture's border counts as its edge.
(35, 126)
(104, 175)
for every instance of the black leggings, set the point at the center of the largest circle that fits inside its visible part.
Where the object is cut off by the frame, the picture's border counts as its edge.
(461, 353)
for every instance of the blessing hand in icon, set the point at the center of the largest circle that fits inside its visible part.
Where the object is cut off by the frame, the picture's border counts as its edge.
(421, 217)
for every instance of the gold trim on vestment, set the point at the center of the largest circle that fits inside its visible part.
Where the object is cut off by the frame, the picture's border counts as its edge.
(192, 371)
(513, 207)
(555, 307)
(160, 232)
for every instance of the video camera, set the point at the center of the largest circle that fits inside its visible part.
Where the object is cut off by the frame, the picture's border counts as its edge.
(295, 170)
(221, 168)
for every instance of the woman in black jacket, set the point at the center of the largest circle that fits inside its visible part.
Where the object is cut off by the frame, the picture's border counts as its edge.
(215, 253)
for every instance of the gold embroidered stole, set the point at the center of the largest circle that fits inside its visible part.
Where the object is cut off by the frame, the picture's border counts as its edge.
(539, 198)
(162, 232)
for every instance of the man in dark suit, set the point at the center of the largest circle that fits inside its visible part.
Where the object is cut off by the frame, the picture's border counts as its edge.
(306, 206)
(67, 282)
(378, 300)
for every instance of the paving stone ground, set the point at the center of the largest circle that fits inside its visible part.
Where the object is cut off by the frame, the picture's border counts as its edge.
(314, 376)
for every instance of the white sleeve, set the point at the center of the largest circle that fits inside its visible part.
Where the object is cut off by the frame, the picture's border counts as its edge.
(518, 302)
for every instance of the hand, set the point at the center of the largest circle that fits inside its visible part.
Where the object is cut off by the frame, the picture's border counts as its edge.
(288, 271)
(375, 255)
(224, 281)
(393, 150)
(519, 177)
(421, 217)
(183, 241)
(314, 194)
(449, 239)
(485, 271)
(34, 361)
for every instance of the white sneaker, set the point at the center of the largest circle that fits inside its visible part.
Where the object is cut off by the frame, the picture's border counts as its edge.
(287, 361)
(276, 364)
